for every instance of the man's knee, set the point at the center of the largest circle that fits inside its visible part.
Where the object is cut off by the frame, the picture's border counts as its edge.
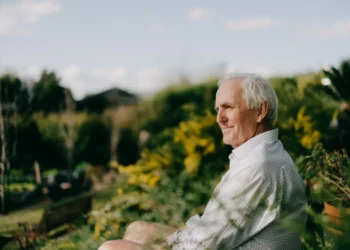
(120, 244)
(109, 245)
(137, 231)
(143, 232)
(135, 227)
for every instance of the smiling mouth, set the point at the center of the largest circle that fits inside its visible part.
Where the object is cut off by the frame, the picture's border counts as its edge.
(225, 129)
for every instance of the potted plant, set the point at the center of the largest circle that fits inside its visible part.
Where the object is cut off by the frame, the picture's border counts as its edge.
(327, 179)
(334, 188)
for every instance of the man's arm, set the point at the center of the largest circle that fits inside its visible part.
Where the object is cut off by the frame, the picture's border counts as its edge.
(244, 205)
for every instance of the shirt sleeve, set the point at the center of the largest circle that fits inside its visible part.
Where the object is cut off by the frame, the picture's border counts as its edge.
(242, 206)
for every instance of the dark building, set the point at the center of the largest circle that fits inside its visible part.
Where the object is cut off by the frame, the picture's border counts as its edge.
(110, 98)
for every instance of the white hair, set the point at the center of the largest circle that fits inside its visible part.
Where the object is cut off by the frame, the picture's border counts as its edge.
(256, 90)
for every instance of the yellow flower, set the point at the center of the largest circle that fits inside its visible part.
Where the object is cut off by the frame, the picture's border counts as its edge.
(113, 164)
(107, 234)
(120, 191)
(304, 127)
(97, 230)
(143, 178)
(306, 142)
(132, 180)
(153, 181)
(192, 163)
(316, 135)
(210, 148)
(66, 245)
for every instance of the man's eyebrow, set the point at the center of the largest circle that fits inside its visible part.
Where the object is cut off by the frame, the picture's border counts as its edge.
(226, 104)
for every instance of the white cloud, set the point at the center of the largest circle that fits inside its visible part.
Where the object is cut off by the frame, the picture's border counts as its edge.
(83, 81)
(250, 24)
(143, 81)
(198, 14)
(16, 17)
(337, 29)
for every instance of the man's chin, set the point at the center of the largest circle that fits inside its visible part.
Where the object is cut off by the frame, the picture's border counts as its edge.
(227, 141)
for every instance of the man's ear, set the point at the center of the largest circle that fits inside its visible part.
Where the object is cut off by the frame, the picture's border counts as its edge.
(262, 112)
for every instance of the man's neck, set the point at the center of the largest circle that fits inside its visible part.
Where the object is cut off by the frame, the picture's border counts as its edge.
(261, 128)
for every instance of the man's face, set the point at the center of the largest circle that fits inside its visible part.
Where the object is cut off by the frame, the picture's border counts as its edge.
(238, 124)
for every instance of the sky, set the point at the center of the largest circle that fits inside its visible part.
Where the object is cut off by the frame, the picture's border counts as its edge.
(143, 46)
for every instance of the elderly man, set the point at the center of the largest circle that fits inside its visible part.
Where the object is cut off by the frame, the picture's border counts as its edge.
(257, 198)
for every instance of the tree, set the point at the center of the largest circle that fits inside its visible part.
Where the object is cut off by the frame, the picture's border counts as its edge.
(28, 146)
(14, 92)
(93, 142)
(48, 95)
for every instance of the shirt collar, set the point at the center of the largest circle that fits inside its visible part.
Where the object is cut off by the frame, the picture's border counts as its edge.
(244, 149)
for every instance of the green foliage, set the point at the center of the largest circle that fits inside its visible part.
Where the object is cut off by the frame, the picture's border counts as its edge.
(339, 90)
(170, 101)
(14, 92)
(78, 240)
(82, 166)
(51, 171)
(340, 79)
(28, 143)
(52, 148)
(93, 142)
(23, 141)
(330, 173)
(48, 95)
(304, 114)
(127, 147)
(21, 187)
(171, 203)
(327, 177)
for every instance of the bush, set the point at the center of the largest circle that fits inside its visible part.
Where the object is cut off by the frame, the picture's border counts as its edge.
(93, 142)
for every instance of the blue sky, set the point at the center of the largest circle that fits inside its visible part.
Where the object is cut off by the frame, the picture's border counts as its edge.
(142, 46)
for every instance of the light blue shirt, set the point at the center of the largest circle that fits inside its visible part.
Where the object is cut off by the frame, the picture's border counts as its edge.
(259, 193)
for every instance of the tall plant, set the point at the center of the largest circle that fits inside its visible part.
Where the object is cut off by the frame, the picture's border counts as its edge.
(340, 79)
(340, 90)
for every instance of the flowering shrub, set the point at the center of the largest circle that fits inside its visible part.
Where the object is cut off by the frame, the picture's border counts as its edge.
(193, 137)
(299, 133)
(148, 170)
(307, 134)
(191, 148)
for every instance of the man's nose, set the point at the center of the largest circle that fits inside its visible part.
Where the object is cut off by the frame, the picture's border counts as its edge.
(221, 117)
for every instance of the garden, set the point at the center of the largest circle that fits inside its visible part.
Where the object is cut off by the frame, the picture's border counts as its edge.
(163, 166)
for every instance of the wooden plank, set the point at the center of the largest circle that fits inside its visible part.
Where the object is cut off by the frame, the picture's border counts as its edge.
(63, 212)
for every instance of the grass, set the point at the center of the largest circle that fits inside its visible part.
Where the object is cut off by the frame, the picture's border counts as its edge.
(9, 222)
(104, 195)
(32, 214)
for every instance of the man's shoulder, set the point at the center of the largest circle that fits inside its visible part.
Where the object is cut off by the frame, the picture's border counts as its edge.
(269, 156)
